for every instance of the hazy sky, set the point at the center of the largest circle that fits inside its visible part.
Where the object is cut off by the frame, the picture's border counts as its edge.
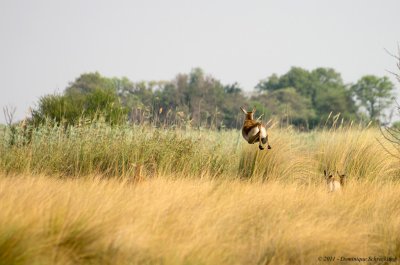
(44, 44)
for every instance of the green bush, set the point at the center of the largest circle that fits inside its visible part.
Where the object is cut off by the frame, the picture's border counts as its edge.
(82, 100)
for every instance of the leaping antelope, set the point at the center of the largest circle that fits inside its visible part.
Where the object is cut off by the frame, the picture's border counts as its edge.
(253, 131)
(334, 181)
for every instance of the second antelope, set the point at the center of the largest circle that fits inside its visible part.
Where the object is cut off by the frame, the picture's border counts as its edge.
(334, 181)
(253, 131)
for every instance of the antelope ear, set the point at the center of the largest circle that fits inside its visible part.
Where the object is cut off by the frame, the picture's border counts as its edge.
(254, 110)
(244, 111)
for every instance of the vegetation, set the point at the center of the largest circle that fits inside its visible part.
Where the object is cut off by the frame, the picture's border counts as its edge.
(165, 221)
(322, 90)
(392, 133)
(207, 197)
(302, 98)
(98, 148)
(374, 94)
(90, 96)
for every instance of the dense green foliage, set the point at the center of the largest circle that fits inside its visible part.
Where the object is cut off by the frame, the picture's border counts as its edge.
(89, 97)
(313, 95)
(299, 97)
(374, 94)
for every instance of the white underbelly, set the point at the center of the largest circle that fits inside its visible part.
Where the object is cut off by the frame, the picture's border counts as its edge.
(254, 132)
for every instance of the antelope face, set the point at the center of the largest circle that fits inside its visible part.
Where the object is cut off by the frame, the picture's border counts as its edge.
(334, 181)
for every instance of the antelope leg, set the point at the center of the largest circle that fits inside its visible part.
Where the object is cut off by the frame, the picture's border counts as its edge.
(254, 138)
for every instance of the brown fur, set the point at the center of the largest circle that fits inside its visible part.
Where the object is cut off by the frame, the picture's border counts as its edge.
(248, 125)
(249, 122)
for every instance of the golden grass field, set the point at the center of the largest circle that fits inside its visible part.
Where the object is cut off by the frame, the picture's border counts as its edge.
(207, 198)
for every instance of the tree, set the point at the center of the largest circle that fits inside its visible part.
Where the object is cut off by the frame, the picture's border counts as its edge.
(330, 94)
(90, 96)
(195, 97)
(298, 78)
(287, 105)
(323, 88)
(374, 94)
(202, 98)
(233, 98)
(88, 82)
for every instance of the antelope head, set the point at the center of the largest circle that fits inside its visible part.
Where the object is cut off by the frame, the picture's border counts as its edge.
(334, 181)
(249, 114)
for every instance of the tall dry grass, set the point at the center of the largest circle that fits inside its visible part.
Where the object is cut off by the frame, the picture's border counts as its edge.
(97, 148)
(185, 221)
(209, 197)
(112, 151)
(361, 154)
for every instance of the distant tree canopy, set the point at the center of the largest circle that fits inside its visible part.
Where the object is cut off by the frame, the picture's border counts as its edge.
(195, 98)
(322, 88)
(287, 105)
(299, 97)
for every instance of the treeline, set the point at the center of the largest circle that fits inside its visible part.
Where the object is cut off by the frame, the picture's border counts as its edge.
(299, 97)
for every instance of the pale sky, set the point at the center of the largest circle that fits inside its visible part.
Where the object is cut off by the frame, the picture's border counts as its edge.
(45, 44)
